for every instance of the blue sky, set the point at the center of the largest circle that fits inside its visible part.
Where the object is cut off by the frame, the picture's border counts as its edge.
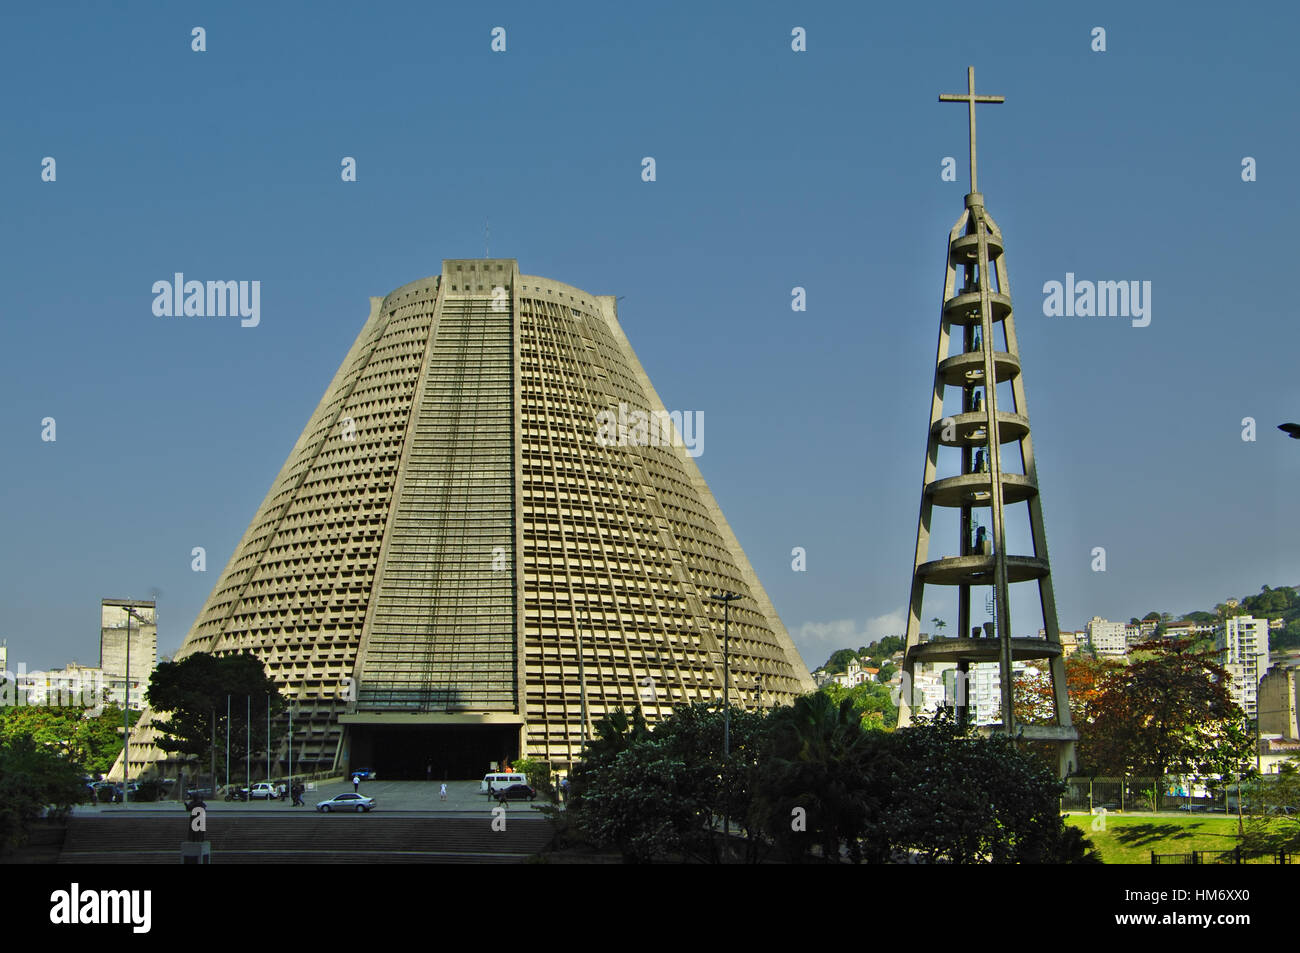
(775, 169)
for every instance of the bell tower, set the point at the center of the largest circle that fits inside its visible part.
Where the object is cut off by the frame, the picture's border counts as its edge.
(979, 418)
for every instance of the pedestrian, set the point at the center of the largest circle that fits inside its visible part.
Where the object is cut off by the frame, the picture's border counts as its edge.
(444, 790)
(356, 783)
(428, 771)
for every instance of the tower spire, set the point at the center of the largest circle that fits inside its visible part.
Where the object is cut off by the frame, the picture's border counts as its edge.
(979, 425)
(971, 99)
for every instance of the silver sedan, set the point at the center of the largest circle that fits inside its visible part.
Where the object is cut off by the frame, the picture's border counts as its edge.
(347, 802)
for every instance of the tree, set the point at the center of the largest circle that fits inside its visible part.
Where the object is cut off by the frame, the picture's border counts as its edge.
(873, 700)
(722, 782)
(652, 794)
(939, 624)
(192, 693)
(637, 803)
(615, 733)
(815, 784)
(839, 661)
(1156, 715)
(962, 798)
(538, 774)
(1275, 826)
(33, 780)
(90, 741)
(890, 644)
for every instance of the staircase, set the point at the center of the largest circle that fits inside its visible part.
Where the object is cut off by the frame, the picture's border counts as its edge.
(155, 838)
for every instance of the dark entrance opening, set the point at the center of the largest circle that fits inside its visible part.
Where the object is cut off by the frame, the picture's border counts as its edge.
(455, 752)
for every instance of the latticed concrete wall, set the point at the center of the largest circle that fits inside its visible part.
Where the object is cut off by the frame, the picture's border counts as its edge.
(453, 561)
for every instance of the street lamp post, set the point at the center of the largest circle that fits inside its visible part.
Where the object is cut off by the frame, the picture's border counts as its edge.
(726, 598)
(582, 679)
(126, 713)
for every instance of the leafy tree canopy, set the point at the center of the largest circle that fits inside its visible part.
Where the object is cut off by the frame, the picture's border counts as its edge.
(193, 692)
(34, 778)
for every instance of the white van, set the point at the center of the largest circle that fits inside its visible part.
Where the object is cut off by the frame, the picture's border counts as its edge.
(499, 781)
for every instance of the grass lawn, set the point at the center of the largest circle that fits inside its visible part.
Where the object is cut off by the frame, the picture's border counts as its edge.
(1130, 839)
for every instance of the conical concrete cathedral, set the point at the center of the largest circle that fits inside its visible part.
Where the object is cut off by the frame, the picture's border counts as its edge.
(477, 531)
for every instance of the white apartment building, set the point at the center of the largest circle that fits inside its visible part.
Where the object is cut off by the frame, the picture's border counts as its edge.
(1107, 638)
(1243, 644)
(985, 691)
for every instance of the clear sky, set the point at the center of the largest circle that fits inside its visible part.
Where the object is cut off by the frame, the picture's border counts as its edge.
(775, 169)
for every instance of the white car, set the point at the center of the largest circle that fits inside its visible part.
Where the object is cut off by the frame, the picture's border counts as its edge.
(347, 802)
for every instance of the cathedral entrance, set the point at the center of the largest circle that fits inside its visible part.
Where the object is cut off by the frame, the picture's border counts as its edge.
(447, 751)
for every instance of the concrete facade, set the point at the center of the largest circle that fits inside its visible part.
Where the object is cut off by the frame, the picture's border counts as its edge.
(1278, 703)
(113, 630)
(979, 422)
(451, 546)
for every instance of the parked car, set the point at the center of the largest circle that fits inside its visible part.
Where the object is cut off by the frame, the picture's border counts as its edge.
(365, 774)
(515, 792)
(108, 792)
(264, 791)
(347, 802)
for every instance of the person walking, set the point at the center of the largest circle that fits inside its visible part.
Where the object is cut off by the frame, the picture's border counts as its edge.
(443, 792)
(356, 783)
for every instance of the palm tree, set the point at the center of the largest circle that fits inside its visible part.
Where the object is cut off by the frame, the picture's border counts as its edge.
(939, 624)
(816, 760)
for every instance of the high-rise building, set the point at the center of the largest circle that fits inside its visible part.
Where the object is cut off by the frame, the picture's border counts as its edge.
(490, 533)
(1243, 645)
(117, 617)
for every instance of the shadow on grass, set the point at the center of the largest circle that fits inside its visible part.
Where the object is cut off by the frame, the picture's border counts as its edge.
(1139, 835)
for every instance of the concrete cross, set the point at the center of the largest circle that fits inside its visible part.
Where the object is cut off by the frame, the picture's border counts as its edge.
(971, 99)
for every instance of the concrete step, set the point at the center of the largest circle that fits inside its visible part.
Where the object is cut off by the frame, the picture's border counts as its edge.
(306, 838)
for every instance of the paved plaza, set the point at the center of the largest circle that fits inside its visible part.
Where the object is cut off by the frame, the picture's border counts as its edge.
(419, 797)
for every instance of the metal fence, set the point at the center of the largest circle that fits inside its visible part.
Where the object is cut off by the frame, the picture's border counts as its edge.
(1233, 856)
(1130, 794)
